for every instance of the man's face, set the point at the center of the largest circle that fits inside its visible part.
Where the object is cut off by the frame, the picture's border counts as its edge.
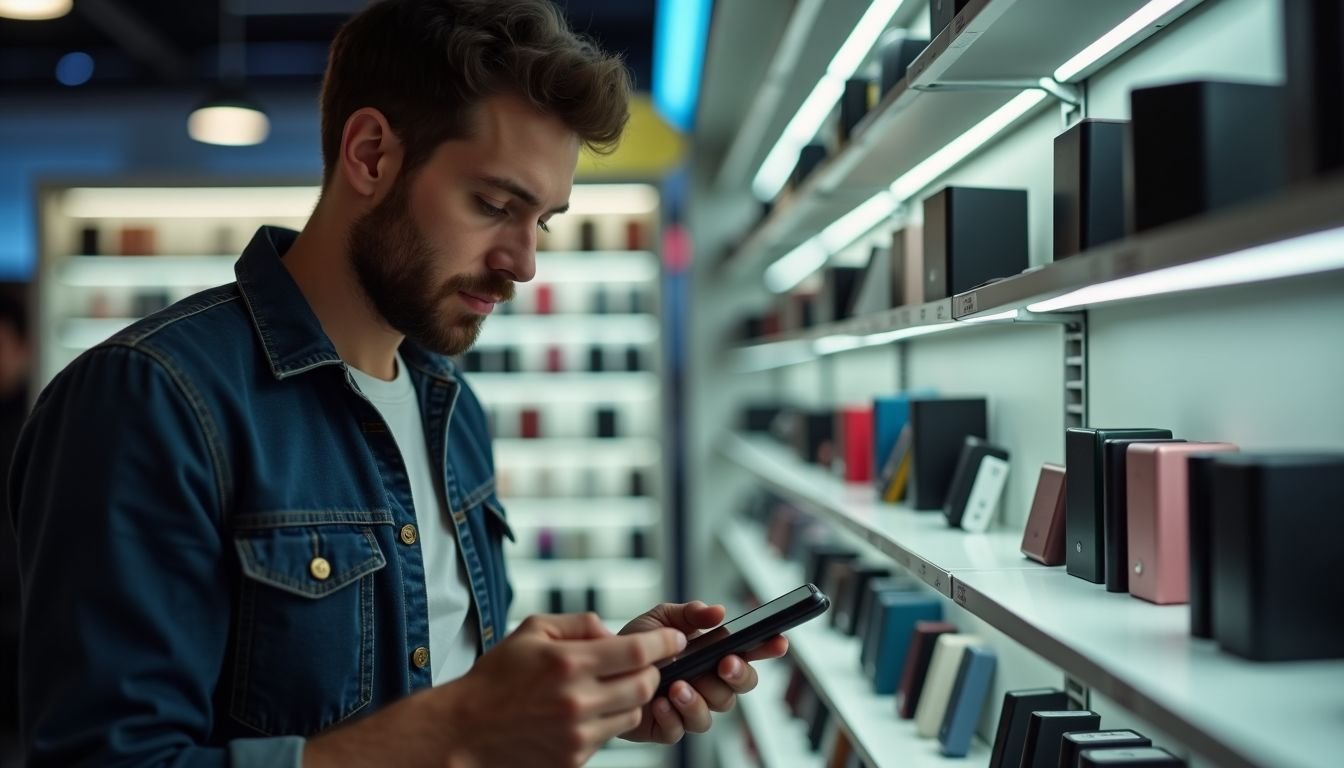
(445, 246)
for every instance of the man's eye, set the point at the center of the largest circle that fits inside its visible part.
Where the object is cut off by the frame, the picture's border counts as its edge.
(543, 226)
(490, 210)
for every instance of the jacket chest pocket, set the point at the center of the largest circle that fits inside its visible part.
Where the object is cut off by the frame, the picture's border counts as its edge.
(304, 630)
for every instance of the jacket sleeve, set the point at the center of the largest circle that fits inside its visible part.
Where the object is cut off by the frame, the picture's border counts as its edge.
(116, 491)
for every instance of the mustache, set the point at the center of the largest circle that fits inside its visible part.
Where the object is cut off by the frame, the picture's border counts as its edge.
(485, 286)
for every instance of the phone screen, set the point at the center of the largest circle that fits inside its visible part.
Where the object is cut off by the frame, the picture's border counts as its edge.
(728, 629)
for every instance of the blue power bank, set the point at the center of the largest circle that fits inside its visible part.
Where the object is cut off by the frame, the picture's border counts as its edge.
(969, 693)
(890, 415)
(890, 629)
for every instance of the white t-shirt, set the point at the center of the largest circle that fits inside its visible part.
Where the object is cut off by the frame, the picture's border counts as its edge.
(452, 629)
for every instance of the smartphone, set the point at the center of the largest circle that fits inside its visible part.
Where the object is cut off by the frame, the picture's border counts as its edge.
(742, 634)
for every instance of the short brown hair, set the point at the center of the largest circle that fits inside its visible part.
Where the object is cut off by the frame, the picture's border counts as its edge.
(425, 64)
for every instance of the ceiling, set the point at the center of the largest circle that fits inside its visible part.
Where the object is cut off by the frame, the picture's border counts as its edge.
(154, 43)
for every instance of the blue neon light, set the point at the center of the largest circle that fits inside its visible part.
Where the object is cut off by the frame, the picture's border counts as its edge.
(680, 32)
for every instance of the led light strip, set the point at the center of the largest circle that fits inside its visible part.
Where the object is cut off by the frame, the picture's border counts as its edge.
(807, 258)
(779, 163)
(1304, 255)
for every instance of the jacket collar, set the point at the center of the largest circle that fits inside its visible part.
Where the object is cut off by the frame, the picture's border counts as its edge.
(290, 334)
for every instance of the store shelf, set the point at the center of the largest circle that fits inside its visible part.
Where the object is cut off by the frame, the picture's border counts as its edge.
(146, 271)
(831, 661)
(1232, 711)
(920, 541)
(780, 739)
(1212, 701)
(854, 333)
(586, 513)
(623, 573)
(1315, 209)
(577, 387)
(592, 267)
(998, 46)
(577, 451)
(532, 330)
(618, 754)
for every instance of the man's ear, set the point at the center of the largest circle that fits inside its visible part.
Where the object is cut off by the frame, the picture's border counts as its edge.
(371, 153)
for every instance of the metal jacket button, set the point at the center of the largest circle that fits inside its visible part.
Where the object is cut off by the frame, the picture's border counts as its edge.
(320, 568)
(408, 534)
(420, 657)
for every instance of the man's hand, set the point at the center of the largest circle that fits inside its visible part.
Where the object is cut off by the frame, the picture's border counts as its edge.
(665, 721)
(551, 693)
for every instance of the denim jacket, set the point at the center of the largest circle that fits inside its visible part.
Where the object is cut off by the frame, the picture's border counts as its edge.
(210, 520)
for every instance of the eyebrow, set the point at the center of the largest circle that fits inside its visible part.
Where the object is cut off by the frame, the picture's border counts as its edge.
(519, 191)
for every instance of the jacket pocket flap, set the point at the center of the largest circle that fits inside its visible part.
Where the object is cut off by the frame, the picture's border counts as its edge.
(309, 560)
(496, 514)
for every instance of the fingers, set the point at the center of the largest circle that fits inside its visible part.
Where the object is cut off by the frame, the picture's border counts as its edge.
(600, 730)
(773, 648)
(669, 728)
(629, 691)
(737, 675)
(626, 653)
(692, 707)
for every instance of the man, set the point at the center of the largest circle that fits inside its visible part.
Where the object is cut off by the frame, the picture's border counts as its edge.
(260, 528)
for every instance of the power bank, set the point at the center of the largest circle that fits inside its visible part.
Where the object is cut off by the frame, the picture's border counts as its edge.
(1158, 517)
(1085, 529)
(916, 670)
(947, 653)
(1137, 757)
(1011, 734)
(1043, 538)
(1077, 742)
(890, 629)
(1045, 734)
(1115, 455)
(967, 700)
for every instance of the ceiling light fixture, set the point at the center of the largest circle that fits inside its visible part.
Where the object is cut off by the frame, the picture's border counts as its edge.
(34, 10)
(228, 117)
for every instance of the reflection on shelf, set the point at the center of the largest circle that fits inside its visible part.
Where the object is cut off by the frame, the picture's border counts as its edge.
(604, 573)
(577, 452)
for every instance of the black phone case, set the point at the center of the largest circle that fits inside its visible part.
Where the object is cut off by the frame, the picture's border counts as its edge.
(705, 659)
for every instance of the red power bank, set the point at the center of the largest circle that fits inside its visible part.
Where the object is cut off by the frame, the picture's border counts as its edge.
(1043, 539)
(856, 429)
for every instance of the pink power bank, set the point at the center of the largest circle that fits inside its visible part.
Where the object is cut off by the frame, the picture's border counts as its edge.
(1158, 519)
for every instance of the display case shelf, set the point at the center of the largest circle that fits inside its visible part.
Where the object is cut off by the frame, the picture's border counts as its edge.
(991, 51)
(532, 330)
(584, 513)
(1300, 232)
(569, 386)
(831, 662)
(1232, 711)
(780, 739)
(919, 541)
(577, 451)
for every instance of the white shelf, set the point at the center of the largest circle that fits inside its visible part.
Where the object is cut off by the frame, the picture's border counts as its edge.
(1234, 712)
(577, 451)
(591, 267)
(619, 754)
(780, 739)
(146, 271)
(604, 573)
(831, 661)
(1012, 42)
(582, 513)
(546, 330)
(920, 541)
(576, 386)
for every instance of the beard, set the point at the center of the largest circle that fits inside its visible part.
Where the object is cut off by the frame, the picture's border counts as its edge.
(394, 264)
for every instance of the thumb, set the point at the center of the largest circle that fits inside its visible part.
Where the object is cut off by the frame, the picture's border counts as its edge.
(687, 617)
(569, 626)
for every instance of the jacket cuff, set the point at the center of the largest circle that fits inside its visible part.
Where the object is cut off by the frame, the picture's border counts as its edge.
(274, 752)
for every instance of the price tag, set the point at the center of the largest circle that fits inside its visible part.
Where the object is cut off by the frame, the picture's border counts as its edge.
(966, 304)
(942, 312)
(959, 594)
